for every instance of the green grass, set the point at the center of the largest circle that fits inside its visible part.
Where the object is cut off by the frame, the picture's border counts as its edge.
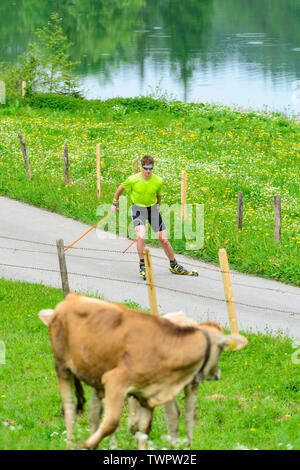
(223, 151)
(255, 405)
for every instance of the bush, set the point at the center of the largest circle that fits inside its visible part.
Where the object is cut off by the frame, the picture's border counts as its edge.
(139, 103)
(55, 102)
(115, 105)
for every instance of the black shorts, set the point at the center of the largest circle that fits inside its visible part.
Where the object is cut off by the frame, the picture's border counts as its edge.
(141, 214)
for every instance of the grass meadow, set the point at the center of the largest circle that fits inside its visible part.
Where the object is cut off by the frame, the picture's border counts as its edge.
(222, 150)
(255, 404)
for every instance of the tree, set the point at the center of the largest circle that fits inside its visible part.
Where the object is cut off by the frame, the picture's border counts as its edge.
(54, 65)
(45, 66)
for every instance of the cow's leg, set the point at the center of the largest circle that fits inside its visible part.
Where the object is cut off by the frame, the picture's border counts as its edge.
(133, 414)
(69, 407)
(115, 390)
(190, 409)
(172, 414)
(145, 421)
(95, 411)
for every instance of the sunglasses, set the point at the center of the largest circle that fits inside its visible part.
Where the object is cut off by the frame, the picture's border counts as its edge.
(147, 167)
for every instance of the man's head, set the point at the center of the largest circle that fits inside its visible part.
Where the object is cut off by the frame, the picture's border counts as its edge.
(147, 160)
(147, 164)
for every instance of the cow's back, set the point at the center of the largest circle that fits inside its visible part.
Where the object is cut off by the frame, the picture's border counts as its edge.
(91, 336)
(87, 337)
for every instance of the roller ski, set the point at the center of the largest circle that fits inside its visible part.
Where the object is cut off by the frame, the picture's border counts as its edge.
(176, 268)
(143, 270)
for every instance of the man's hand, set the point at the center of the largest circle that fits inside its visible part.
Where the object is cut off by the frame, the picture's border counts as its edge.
(115, 204)
(114, 208)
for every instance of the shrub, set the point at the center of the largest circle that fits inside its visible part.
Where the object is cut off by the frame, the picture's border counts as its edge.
(55, 102)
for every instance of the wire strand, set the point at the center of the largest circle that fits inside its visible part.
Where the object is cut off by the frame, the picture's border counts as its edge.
(155, 285)
(206, 267)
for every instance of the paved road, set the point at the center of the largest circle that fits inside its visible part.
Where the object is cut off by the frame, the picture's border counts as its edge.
(28, 239)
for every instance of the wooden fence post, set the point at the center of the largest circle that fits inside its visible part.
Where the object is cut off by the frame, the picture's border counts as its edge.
(98, 171)
(228, 291)
(240, 210)
(150, 282)
(277, 218)
(63, 267)
(66, 164)
(183, 195)
(2, 352)
(136, 165)
(23, 88)
(27, 165)
(2, 92)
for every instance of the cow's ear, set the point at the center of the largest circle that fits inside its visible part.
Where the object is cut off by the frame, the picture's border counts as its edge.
(234, 342)
(45, 315)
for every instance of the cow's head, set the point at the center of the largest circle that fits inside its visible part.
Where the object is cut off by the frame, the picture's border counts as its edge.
(218, 342)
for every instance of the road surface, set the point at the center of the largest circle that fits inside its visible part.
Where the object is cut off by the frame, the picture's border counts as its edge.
(96, 265)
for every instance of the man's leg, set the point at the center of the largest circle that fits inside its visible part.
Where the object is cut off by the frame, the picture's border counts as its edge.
(159, 227)
(175, 268)
(141, 234)
(139, 222)
(167, 247)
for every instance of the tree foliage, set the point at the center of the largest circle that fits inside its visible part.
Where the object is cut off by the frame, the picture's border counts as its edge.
(45, 66)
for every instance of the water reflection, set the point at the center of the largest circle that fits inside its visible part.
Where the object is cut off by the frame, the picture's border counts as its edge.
(242, 52)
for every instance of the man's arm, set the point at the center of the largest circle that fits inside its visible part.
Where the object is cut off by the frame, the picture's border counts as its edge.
(158, 199)
(115, 204)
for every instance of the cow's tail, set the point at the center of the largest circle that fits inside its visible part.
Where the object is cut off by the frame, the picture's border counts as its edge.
(79, 392)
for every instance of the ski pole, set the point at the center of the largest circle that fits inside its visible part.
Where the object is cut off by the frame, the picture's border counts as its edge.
(133, 242)
(130, 245)
(87, 231)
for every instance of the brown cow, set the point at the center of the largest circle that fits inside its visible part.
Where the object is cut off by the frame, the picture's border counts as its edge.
(120, 352)
(172, 409)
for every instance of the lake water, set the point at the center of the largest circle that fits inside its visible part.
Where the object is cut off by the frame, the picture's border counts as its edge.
(234, 52)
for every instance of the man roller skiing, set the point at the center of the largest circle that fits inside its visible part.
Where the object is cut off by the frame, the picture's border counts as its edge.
(145, 193)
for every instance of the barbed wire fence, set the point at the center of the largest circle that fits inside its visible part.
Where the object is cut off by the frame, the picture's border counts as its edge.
(127, 281)
(207, 266)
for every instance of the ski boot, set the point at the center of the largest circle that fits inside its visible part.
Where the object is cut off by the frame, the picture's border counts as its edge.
(143, 270)
(176, 268)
